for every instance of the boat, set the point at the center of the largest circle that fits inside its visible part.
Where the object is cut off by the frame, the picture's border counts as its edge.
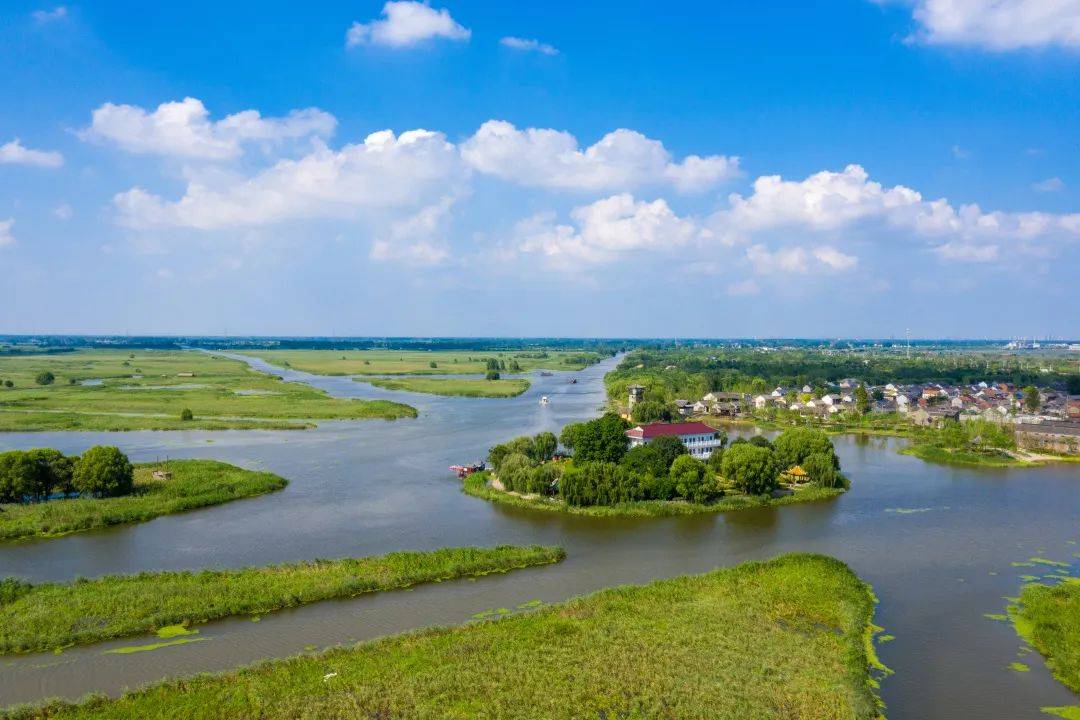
(464, 471)
(573, 381)
(544, 400)
(546, 374)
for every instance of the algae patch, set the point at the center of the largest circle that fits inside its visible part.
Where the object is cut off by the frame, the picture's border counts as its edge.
(152, 646)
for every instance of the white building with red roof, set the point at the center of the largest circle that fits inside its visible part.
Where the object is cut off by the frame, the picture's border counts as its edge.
(699, 438)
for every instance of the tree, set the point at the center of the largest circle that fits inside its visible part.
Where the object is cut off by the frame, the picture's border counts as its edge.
(566, 436)
(822, 471)
(56, 470)
(716, 461)
(1031, 399)
(751, 469)
(648, 411)
(654, 458)
(492, 375)
(515, 367)
(514, 472)
(103, 471)
(186, 414)
(602, 440)
(21, 478)
(9, 384)
(543, 479)
(795, 445)
(45, 378)
(433, 364)
(692, 481)
(862, 399)
(545, 444)
(1072, 385)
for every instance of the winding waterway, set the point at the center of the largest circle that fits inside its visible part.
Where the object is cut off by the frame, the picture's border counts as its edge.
(936, 542)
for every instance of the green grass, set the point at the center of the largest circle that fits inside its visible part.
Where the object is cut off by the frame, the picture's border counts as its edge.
(1048, 617)
(790, 638)
(415, 362)
(148, 391)
(53, 615)
(478, 486)
(463, 387)
(947, 456)
(194, 484)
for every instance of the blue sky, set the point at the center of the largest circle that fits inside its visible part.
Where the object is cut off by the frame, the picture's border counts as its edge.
(478, 168)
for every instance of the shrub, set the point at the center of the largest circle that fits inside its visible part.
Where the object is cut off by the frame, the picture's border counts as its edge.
(543, 479)
(716, 461)
(103, 471)
(492, 375)
(45, 378)
(598, 483)
(751, 469)
(692, 480)
(186, 414)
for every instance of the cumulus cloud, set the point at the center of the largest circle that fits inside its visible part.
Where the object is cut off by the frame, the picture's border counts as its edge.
(6, 237)
(835, 259)
(406, 23)
(966, 252)
(605, 230)
(184, 129)
(621, 159)
(419, 239)
(528, 45)
(14, 153)
(1053, 184)
(385, 171)
(999, 25)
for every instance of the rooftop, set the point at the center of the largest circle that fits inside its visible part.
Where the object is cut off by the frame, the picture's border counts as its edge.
(652, 430)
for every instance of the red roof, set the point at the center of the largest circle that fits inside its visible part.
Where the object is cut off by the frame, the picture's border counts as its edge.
(652, 430)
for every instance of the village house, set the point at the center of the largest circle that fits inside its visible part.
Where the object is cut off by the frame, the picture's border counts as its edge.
(699, 438)
(1049, 436)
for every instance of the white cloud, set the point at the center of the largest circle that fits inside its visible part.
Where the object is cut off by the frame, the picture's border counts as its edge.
(1053, 184)
(835, 259)
(605, 230)
(620, 160)
(419, 239)
(999, 24)
(528, 45)
(63, 211)
(6, 237)
(14, 153)
(406, 23)
(960, 153)
(743, 287)
(966, 252)
(46, 16)
(385, 171)
(183, 129)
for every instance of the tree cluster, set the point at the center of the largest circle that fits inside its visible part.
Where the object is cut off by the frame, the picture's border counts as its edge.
(36, 475)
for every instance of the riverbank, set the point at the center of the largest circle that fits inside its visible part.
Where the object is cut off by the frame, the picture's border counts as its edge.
(480, 485)
(423, 362)
(112, 390)
(52, 615)
(194, 484)
(459, 387)
(677, 648)
(1048, 617)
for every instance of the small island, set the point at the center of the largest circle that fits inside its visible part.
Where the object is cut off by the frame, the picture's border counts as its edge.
(794, 633)
(657, 469)
(459, 387)
(45, 494)
(1048, 617)
(56, 615)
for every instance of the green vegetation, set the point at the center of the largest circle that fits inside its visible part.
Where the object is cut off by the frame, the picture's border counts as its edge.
(52, 615)
(660, 477)
(164, 390)
(788, 638)
(1048, 617)
(419, 362)
(193, 484)
(464, 387)
(974, 442)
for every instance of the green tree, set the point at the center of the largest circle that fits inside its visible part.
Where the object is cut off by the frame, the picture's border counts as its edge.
(543, 479)
(655, 457)
(795, 445)
(56, 470)
(862, 399)
(544, 446)
(433, 364)
(601, 440)
(9, 384)
(103, 471)
(186, 414)
(566, 435)
(716, 461)
(751, 469)
(515, 367)
(21, 478)
(1031, 399)
(45, 378)
(692, 480)
(514, 472)
(648, 411)
(492, 375)
(1072, 385)
(822, 471)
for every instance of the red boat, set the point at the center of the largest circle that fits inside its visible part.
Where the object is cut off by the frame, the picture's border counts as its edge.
(463, 471)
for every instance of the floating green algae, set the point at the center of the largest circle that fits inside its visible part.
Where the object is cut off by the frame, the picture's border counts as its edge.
(885, 638)
(908, 511)
(1019, 667)
(171, 631)
(530, 604)
(1000, 617)
(152, 646)
(1029, 578)
(1069, 712)
(1044, 561)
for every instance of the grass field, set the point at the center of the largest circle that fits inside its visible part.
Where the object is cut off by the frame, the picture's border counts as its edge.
(790, 638)
(1048, 617)
(194, 484)
(463, 387)
(43, 617)
(415, 362)
(147, 390)
(478, 485)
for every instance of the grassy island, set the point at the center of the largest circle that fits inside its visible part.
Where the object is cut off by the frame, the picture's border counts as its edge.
(1048, 617)
(461, 387)
(193, 484)
(53, 615)
(788, 638)
(424, 362)
(163, 390)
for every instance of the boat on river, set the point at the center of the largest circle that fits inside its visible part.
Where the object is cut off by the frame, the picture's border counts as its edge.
(544, 400)
(464, 471)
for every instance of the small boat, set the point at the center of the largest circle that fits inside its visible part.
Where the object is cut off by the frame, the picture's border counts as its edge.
(573, 381)
(463, 471)
(546, 374)
(544, 400)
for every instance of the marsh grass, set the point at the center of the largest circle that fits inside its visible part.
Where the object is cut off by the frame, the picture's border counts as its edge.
(416, 362)
(948, 456)
(194, 484)
(460, 387)
(1048, 618)
(478, 485)
(150, 390)
(54, 615)
(789, 638)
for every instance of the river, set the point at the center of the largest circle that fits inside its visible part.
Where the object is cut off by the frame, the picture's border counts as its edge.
(937, 543)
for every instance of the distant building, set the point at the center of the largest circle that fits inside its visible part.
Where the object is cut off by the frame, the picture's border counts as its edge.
(637, 394)
(1055, 436)
(699, 438)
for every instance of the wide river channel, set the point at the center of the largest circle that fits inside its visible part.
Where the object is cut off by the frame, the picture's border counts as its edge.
(937, 543)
